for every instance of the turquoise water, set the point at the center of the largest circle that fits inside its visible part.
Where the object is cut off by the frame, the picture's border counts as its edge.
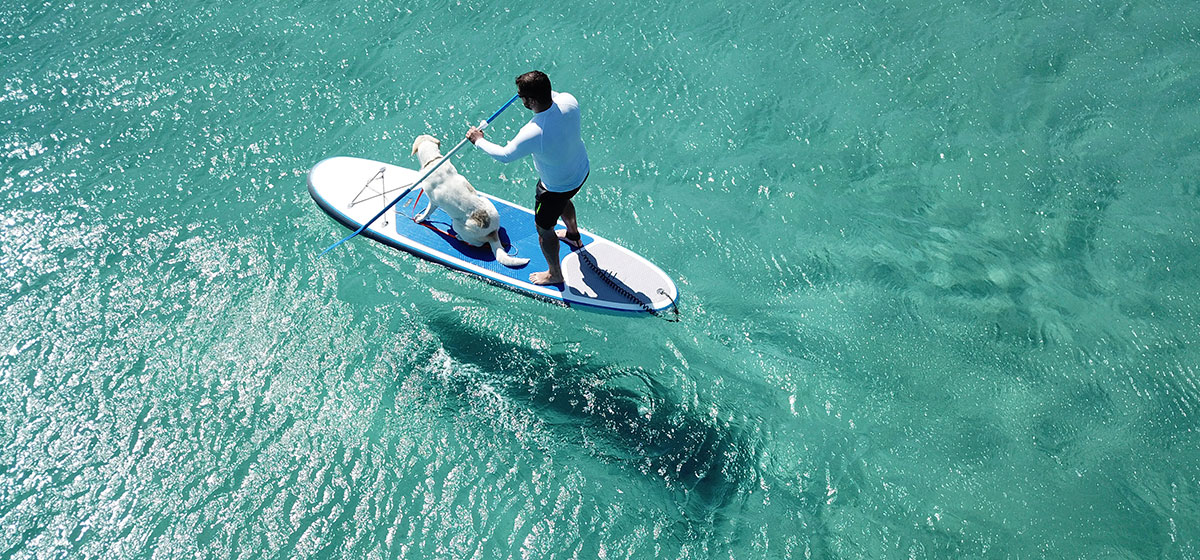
(937, 262)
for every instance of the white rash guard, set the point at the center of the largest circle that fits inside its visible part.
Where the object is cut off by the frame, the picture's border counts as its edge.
(553, 138)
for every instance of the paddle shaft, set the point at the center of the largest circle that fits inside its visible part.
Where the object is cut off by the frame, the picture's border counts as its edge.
(439, 163)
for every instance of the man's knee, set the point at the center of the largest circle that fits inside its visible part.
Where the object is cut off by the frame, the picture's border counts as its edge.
(546, 233)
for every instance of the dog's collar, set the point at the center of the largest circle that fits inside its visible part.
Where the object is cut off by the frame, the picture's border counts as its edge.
(431, 161)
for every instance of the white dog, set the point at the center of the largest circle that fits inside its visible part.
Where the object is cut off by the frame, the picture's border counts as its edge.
(473, 216)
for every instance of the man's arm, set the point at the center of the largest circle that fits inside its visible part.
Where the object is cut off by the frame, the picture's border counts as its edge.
(524, 143)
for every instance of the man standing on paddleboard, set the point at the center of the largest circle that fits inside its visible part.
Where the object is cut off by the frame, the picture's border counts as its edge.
(552, 137)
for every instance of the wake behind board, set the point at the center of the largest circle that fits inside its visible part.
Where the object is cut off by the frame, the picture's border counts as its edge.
(600, 275)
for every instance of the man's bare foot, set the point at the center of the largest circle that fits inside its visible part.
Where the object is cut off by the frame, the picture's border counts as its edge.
(572, 242)
(544, 278)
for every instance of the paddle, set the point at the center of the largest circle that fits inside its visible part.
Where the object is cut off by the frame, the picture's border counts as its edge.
(444, 158)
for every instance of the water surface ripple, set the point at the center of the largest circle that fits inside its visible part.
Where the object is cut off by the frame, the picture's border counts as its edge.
(937, 262)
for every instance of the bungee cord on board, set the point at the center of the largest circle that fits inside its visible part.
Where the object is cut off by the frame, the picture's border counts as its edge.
(382, 192)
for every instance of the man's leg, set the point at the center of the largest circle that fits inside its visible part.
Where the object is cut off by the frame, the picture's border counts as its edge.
(571, 235)
(568, 217)
(549, 208)
(549, 243)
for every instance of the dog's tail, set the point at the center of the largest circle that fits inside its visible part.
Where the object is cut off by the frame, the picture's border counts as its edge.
(502, 256)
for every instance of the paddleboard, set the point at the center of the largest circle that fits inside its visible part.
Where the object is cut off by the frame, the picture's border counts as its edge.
(601, 275)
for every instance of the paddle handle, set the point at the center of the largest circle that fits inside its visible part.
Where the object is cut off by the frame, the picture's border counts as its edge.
(439, 163)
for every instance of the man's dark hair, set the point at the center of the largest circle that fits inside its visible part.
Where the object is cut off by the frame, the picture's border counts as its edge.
(534, 85)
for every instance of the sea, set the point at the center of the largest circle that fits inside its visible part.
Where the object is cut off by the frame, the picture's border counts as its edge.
(937, 263)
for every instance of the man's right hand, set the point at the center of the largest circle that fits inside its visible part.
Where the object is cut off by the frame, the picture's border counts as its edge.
(474, 134)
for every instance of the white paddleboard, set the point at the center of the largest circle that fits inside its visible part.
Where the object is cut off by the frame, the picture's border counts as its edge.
(600, 275)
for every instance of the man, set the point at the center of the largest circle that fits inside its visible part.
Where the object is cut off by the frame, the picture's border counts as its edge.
(552, 137)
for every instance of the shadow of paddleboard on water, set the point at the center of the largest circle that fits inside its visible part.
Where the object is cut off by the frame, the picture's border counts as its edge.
(720, 469)
(621, 414)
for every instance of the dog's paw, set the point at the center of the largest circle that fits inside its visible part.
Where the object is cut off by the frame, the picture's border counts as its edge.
(420, 217)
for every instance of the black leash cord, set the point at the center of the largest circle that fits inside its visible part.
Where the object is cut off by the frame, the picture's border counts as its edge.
(607, 278)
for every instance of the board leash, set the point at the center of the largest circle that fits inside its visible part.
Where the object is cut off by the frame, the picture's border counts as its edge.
(607, 278)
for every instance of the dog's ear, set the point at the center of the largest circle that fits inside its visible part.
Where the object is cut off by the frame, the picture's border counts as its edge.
(425, 138)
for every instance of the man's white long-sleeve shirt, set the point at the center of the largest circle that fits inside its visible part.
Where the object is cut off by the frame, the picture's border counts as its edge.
(553, 138)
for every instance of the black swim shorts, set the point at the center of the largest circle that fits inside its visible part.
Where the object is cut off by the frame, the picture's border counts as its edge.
(549, 205)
